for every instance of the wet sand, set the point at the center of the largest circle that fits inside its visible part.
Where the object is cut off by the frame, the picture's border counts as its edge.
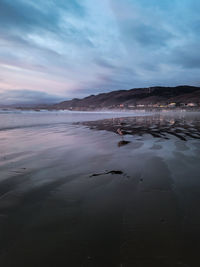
(72, 196)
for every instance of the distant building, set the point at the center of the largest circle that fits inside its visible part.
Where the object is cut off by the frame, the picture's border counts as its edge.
(140, 106)
(183, 104)
(131, 106)
(172, 105)
(163, 106)
(191, 105)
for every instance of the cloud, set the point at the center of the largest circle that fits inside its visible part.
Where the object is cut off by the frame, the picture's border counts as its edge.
(187, 56)
(147, 35)
(32, 15)
(70, 48)
(27, 97)
(22, 16)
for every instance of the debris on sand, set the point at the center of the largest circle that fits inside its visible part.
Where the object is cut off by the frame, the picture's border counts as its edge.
(123, 143)
(107, 172)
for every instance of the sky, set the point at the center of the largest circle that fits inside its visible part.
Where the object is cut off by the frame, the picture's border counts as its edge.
(52, 50)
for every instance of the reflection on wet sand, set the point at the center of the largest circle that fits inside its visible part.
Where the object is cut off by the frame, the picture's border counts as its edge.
(70, 196)
(123, 143)
(159, 126)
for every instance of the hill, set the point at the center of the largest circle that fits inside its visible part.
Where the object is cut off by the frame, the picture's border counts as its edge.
(136, 98)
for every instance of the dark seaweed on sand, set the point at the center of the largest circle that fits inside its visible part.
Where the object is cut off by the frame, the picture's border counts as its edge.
(107, 172)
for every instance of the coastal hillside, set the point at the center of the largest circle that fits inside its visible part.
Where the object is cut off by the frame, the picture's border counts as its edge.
(180, 96)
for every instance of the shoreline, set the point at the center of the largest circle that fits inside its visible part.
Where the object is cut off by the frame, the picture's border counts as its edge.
(142, 109)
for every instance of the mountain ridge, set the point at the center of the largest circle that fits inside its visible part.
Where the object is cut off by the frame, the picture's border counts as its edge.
(159, 96)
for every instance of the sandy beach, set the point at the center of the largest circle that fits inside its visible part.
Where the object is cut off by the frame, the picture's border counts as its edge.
(75, 193)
